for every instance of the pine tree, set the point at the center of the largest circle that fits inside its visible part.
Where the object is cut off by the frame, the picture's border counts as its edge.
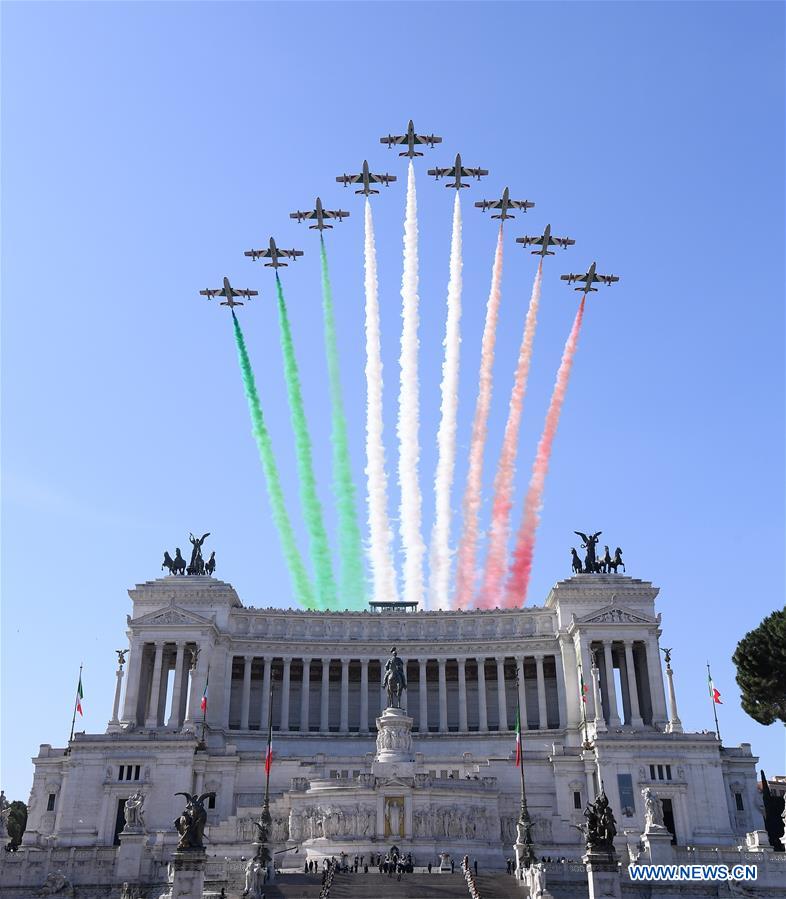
(760, 658)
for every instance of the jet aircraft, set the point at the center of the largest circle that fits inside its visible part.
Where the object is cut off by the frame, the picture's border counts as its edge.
(590, 278)
(457, 172)
(411, 139)
(545, 241)
(504, 204)
(230, 293)
(274, 254)
(366, 178)
(320, 215)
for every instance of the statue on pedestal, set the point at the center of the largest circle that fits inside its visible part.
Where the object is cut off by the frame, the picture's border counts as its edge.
(133, 809)
(254, 878)
(601, 828)
(191, 823)
(197, 563)
(395, 681)
(653, 811)
(590, 542)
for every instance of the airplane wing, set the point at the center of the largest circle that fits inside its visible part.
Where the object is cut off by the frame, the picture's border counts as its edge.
(392, 139)
(442, 173)
(380, 179)
(257, 254)
(334, 214)
(607, 279)
(209, 293)
(562, 242)
(427, 139)
(303, 215)
(245, 292)
(349, 179)
(486, 204)
(474, 173)
(530, 240)
(572, 278)
(522, 204)
(290, 254)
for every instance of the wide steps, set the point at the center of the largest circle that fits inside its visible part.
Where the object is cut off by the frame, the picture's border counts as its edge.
(380, 886)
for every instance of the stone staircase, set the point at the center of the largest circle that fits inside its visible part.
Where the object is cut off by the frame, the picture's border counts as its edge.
(380, 886)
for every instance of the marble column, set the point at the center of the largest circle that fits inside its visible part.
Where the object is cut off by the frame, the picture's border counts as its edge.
(245, 703)
(344, 717)
(633, 694)
(502, 701)
(522, 693)
(443, 697)
(114, 723)
(611, 688)
(286, 684)
(324, 707)
(543, 721)
(155, 687)
(586, 665)
(483, 718)
(305, 695)
(559, 673)
(175, 719)
(364, 696)
(462, 695)
(423, 690)
(675, 725)
(131, 702)
(599, 721)
(659, 713)
(195, 678)
(266, 694)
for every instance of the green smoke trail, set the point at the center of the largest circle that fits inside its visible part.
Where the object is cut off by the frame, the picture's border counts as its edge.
(312, 510)
(352, 578)
(304, 589)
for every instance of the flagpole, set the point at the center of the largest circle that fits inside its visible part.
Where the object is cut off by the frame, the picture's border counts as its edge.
(204, 709)
(583, 699)
(712, 700)
(76, 703)
(524, 817)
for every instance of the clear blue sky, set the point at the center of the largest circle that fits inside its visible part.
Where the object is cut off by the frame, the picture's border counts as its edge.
(146, 145)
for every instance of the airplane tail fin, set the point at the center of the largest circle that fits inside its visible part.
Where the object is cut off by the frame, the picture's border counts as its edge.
(414, 153)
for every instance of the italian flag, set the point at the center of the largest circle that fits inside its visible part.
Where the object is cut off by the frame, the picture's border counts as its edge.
(269, 756)
(584, 687)
(714, 694)
(203, 701)
(518, 739)
(79, 697)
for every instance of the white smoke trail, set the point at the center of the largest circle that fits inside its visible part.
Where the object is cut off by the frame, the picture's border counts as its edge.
(409, 407)
(381, 538)
(439, 581)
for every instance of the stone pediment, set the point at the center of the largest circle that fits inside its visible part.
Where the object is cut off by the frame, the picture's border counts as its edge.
(172, 615)
(615, 614)
(394, 781)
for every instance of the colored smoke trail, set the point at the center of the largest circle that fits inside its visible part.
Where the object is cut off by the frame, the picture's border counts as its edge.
(439, 553)
(409, 407)
(304, 590)
(381, 537)
(521, 567)
(493, 581)
(312, 510)
(352, 578)
(467, 552)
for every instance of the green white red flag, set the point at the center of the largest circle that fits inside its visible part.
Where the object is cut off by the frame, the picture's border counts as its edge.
(714, 693)
(269, 756)
(584, 687)
(518, 739)
(79, 696)
(203, 702)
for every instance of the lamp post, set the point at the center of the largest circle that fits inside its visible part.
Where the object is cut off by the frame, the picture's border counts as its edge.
(262, 855)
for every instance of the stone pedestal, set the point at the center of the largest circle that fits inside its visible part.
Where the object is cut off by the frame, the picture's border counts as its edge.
(444, 861)
(603, 874)
(188, 878)
(758, 841)
(395, 755)
(657, 846)
(128, 865)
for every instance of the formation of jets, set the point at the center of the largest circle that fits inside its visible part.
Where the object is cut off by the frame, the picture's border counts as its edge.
(457, 171)
(320, 215)
(366, 178)
(504, 204)
(411, 139)
(545, 241)
(273, 253)
(589, 278)
(230, 293)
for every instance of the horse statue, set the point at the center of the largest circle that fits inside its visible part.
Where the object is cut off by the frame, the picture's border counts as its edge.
(395, 680)
(575, 562)
(176, 565)
(604, 562)
(210, 565)
(616, 561)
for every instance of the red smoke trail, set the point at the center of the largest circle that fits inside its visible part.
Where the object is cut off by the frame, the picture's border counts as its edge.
(521, 567)
(467, 551)
(496, 558)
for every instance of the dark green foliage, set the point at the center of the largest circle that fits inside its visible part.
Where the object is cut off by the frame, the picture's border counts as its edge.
(17, 822)
(760, 658)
